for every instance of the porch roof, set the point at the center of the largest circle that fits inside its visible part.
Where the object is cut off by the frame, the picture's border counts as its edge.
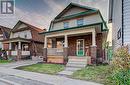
(17, 39)
(77, 27)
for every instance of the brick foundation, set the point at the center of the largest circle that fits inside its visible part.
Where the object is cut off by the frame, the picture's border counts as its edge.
(93, 54)
(45, 54)
(65, 54)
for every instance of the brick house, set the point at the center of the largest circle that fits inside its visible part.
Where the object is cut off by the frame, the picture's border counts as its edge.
(24, 41)
(78, 31)
(4, 34)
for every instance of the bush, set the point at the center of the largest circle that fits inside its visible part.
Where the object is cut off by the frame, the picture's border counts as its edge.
(121, 66)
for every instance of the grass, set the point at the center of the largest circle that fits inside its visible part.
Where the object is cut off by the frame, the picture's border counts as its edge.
(43, 68)
(5, 61)
(99, 74)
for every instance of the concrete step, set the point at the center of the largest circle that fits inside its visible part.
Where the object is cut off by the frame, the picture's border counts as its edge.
(75, 62)
(75, 65)
(72, 69)
(78, 60)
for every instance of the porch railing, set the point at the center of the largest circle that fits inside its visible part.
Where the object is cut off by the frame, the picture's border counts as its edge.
(14, 52)
(55, 51)
(25, 53)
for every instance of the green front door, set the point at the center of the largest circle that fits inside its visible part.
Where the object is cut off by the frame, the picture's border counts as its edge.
(80, 47)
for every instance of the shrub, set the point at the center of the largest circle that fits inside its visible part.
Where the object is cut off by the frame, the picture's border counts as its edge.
(121, 66)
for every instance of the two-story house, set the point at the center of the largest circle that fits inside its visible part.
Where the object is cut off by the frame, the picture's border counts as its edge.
(4, 34)
(24, 41)
(77, 32)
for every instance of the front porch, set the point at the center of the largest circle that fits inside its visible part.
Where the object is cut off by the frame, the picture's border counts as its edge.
(77, 43)
(18, 48)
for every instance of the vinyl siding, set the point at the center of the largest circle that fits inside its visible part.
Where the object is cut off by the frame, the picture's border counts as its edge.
(95, 18)
(116, 23)
(126, 22)
(22, 34)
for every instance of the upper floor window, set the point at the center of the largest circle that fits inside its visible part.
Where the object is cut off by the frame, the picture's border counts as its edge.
(66, 24)
(79, 22)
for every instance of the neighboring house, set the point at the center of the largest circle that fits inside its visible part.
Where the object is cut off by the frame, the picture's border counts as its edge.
(120, 22)
(4, 34)
(78, 31)
(24, 41)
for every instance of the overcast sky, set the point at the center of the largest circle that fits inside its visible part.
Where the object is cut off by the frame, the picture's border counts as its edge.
(40, 12)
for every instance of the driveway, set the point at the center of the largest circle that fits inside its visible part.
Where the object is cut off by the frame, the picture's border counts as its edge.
(19, 75)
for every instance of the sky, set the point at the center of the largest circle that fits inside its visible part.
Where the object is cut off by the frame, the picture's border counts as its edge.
(40, 12)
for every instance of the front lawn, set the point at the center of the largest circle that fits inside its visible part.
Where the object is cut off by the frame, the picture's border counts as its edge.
(43, 68)
(5, 61)
(99, 74)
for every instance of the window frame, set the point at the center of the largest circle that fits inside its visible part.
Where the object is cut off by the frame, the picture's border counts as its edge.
(66, 25)
(79, 22)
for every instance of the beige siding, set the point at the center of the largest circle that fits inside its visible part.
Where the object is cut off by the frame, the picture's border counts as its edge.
(73, 22)
(22, 34)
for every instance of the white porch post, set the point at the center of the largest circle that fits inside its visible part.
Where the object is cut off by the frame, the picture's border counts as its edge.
(45, 42)
(94, 38)
(10, 46)
(66, 41)
(19, 45)
(2, 46)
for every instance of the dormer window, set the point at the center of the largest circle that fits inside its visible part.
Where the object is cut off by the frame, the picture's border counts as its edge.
(66, 24)
(80, 22)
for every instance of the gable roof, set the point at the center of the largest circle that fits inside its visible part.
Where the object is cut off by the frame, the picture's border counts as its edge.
(6, 31)
(89, 11)
(29, 25)
(34, 30)
(75, 5)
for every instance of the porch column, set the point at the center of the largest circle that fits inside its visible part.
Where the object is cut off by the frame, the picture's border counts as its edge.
(94, 38)
(66, 41)
(65, 49)
(10, 46)
(19, 45)
(93, 48)
(19, 51)
(45, 50)
(45, 42)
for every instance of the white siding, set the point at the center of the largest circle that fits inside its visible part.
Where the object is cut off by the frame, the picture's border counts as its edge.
(117, 22)
(126, 21)
(73, 22)
(22, 34)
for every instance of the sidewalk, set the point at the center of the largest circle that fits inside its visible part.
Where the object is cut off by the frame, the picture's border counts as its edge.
(19, 63)
(51, 79)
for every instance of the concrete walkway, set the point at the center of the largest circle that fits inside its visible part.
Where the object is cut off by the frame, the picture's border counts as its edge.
(50, 79)
(19, 63)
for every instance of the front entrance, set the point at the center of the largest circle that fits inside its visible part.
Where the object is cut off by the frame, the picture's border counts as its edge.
(80, 47)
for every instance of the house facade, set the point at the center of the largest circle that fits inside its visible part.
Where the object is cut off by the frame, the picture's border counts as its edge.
(120, 22)
(24, 41)
(78, 31)
(4, 34)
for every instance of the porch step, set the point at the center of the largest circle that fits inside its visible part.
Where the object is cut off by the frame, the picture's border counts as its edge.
(72, 69)
(74, 63)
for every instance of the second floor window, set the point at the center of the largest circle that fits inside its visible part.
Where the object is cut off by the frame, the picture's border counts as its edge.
(66, 24)
(79, 22)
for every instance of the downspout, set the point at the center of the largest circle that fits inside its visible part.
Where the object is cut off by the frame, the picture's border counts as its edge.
(122, 23)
